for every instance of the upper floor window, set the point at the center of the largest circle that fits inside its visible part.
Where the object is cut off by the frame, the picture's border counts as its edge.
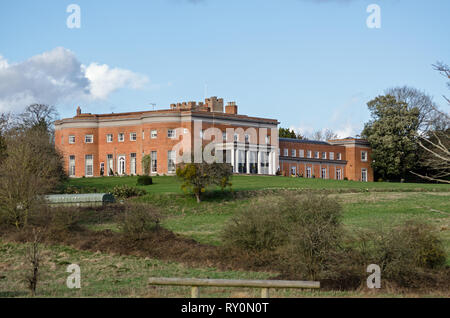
(71, 139)
(121, 137)
(171, 133)
(202, 133)
(236, 137)
(109, 138)
(309, 154)
(331, 155)
(338, 156)
(293, 153)
(89, 139)
(316, 154)
(267, 139)
(224, 136)
(185, 131)
(154, 134)
(363, 155)
(133, 136)
(286, 152)
(301, 153)
(324, 155)
(247, 138)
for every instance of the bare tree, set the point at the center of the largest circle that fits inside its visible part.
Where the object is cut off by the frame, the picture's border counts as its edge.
(34, 258)
(323, 135)
(32, 167)
(39, 115)
(444, 69)
(423, 102)
(436, 143)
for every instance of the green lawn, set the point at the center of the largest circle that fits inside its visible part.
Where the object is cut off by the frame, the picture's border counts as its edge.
(169, 184)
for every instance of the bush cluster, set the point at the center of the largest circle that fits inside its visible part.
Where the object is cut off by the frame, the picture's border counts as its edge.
(125, 191)
(139, 220)
(304, 235)
(144, 180)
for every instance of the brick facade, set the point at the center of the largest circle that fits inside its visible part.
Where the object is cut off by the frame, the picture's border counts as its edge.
(91, 143)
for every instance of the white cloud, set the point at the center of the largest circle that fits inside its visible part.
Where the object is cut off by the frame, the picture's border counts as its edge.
(105, 80)
(57, 76)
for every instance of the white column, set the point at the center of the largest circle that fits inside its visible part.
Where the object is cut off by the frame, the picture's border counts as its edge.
(271, 163)
(247, 156)
(259, 162)
(233, 162)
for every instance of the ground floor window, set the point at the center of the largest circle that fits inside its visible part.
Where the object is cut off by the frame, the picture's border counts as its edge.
(154, 162)
(308, 172)
(89, 165)
(72, 166)
(324, 173)
(364, 175)
(102, 169)
(338, 174)
(122, 165)
(110, 165)
(133, 164)
(171, 161)
(293, 170)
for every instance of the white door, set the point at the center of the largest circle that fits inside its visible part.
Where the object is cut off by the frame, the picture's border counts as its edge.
(121, 165)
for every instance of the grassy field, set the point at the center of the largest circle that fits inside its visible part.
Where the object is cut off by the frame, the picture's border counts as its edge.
(169, 184)
(106, 275)
(365, 205)
(372, 204)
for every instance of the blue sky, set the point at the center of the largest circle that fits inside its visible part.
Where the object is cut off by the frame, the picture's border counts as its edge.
(310, 64)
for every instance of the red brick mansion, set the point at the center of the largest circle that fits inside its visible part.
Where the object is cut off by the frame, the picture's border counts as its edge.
(106, 144)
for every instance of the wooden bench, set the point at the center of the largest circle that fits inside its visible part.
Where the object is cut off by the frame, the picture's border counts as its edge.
(195, 283)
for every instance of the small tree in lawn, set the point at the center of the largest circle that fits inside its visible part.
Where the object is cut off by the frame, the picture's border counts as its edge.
(197, 177)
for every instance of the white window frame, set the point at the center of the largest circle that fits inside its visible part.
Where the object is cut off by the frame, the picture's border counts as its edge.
(171, 156)
(365, 156)
(133, 134)
(316, 155)
(286, 152)
(364, 175)
(171, 133)
(293, 152)
(72, 166)
(301, 153)
(86, 165)
(154, 134)
(324, 155)
(121, 137)
(338, 156)
(71, 139)
(154, 161)
(331, 154)
(308, 172)
(86, 138)
(109, 138)
(309, 154)
(133, 163)
(322, 173)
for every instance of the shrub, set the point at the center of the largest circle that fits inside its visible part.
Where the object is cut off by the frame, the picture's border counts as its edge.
(144, 180)
(260, 227)
(314, 233)
(404, 253)
(138, 220)
(124, 191)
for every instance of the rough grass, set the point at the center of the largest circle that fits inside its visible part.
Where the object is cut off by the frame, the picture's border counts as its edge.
(109, 275)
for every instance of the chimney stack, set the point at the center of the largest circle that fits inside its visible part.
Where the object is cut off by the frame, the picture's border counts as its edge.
(78, 111)
(231, 108)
